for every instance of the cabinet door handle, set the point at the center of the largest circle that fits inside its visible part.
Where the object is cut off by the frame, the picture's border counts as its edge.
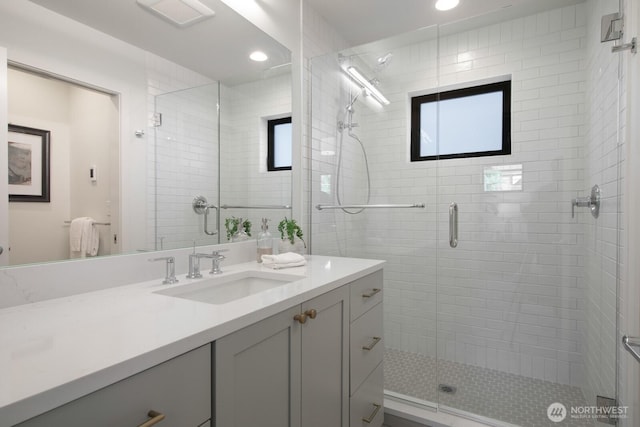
(155, 416)
(302, 318)
(372, 293)
(376, 408)
(369, 347)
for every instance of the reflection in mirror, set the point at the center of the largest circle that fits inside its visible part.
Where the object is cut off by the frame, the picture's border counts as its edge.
(186, 165)
(161, 169)
(84, 125)
(246, 185)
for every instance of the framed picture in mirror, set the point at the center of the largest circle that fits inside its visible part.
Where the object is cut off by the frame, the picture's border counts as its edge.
(29, 168)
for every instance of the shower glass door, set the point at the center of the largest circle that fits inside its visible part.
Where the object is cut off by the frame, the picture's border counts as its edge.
(360, 156)
(185, 157)
(526, 298)
(499, 297)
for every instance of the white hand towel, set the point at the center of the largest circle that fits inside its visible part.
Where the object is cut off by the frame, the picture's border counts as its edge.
(90, 238)
(84, 238)
(75, 234)
(285, 260)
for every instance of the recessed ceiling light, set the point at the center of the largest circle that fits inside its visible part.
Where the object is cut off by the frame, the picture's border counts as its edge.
(258, 56)
(179, 12)
(446, 4)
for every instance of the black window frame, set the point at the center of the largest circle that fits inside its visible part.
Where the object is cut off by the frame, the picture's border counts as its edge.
(417, 101)
(271, 125)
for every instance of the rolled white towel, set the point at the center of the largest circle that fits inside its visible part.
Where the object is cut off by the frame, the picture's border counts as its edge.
(285, 260)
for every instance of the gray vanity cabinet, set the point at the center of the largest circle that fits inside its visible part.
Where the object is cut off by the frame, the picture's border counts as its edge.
(289, 370)
(179, 390)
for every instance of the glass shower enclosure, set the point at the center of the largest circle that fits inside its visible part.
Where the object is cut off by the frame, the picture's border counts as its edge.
(185, 165)
(501, 278)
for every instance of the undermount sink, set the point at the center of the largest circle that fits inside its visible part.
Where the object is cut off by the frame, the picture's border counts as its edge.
(224, 289)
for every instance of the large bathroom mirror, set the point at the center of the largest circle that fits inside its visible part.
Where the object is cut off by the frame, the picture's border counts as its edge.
(188, 113)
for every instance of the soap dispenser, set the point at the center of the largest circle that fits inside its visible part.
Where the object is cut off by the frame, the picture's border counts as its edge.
(265, 241)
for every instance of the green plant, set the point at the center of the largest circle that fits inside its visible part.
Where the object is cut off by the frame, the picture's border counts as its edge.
(231, 225)
(289, 229)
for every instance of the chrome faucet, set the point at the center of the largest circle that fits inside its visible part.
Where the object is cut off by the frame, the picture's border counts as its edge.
(170, 275)
(216, 258)
(194, 265)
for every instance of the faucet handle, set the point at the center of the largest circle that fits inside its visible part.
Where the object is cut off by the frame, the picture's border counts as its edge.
(215, 261)
(170, 275)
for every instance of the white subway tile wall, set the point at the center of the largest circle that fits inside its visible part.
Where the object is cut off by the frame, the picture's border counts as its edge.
(244, 179)
(516, 293)
(183, 152)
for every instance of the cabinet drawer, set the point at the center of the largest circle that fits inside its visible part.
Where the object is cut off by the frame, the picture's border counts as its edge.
(367, 403)
(179, 388)
(365, 293)
(366, 345)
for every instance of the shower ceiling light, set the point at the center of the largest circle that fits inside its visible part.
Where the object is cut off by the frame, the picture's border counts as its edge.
(357, 76)
(446, 4)
(179, 12)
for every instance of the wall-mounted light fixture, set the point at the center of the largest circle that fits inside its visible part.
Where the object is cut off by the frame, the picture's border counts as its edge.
(366, 84)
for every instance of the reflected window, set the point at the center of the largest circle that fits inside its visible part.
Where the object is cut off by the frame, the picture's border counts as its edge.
(279, 140)
(503, 178)
(469, 122)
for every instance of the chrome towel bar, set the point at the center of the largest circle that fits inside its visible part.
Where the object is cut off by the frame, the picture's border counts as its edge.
(95, 223)
(256, 207)
(408, 206)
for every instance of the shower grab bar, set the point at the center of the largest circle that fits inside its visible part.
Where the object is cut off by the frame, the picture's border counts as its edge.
(256, 207)
(95, 223)
(453, 224)
(408, 206)
(629, 343)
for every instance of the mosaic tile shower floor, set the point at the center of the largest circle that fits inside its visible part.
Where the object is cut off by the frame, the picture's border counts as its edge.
(493, 394)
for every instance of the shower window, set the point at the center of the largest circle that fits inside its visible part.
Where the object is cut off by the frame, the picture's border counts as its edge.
(470, 122)
(279, 137)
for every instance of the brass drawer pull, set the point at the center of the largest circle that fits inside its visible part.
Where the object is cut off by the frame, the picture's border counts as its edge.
(373, 414)
(155, 416)
(369, 347)
(302, 318)
(372, 293)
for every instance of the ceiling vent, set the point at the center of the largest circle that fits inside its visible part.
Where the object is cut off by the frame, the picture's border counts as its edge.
(179, 12)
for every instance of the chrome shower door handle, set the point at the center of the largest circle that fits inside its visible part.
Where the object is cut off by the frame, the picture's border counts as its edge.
(201, 207)
(453, 224)
(206, 216)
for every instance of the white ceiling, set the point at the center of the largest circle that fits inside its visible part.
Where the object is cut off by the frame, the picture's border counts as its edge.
(218, 47)
(365, 21)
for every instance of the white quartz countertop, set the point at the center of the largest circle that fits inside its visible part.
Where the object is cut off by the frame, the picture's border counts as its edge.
(55, 351)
